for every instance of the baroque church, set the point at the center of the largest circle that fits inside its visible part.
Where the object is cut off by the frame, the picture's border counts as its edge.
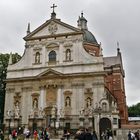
(64, 81)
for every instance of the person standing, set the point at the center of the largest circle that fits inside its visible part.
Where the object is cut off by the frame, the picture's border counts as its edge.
(94, 136)
(14, 134)
(137, 136)
(1, 135)
(87, 135)
(35, 135)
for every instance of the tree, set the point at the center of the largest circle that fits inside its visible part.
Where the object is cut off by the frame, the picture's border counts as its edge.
(4, 59)
(134, 110)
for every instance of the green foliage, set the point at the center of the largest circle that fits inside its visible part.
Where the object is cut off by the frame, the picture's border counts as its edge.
(15, 58)
(4, 60)
(134, 110)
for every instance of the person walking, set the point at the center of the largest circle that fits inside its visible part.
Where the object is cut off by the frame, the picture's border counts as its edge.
(35, 135)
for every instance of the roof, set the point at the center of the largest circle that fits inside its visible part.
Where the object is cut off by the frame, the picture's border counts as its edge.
(110, 61)
(134, 118)
(89, 37)
(114, 61)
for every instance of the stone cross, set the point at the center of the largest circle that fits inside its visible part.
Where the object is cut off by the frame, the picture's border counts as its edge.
(54, 6)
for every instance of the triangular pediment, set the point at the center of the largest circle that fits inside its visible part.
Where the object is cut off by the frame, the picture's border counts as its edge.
(50, 73)
(52, 27)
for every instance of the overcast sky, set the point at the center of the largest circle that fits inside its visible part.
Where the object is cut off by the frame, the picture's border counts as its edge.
(109, 20)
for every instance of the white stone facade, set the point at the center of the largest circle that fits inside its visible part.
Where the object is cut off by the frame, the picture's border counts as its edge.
(71, 82)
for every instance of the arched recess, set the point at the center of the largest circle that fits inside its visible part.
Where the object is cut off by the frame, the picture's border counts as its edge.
(104, 124)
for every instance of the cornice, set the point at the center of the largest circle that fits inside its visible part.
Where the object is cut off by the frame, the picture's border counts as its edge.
(57, 66)
(64, 76)
(53, 36)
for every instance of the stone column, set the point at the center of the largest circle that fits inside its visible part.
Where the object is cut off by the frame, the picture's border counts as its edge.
(59, 100)
(42, 97)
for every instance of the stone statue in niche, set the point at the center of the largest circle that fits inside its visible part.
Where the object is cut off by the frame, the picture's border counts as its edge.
(37, 58)
(68, 54)
(35, 103)
(67, 102)
(88, 102)
(17, 110)
(53, 111)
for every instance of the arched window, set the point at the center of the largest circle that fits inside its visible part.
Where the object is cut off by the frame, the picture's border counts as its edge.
(37, 57)
(67, 101)
(88, 103)
(104, 106)
(52, 56)
(68, 54)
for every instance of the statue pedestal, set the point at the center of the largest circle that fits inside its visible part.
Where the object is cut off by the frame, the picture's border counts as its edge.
(61, 125)
(91, 122)
(81, 119)
(53, 119)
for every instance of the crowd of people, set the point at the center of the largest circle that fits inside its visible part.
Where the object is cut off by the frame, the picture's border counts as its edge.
(133, 135)
(81, 134)
(40, 134)
(84, 134)
(107, 135)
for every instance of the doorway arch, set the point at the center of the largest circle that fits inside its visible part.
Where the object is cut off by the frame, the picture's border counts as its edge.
(104, 124)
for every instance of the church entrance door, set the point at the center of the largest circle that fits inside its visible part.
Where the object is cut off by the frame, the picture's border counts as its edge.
(104, 125)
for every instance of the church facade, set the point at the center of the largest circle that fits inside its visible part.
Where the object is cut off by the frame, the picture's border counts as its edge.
(63, 81)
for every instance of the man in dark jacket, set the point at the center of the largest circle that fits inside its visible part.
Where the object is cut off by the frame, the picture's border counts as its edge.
(87, 135)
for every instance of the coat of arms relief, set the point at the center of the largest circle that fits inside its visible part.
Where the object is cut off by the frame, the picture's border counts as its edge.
(52, 28)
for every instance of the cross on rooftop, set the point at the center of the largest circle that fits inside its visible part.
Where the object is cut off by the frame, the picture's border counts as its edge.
(54, 6)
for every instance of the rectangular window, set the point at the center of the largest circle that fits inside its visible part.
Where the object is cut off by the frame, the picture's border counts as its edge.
(115, 120)
(67, 125)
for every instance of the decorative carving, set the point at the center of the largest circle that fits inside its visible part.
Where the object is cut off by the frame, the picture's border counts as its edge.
(41, 112)
(17, 97)
(88, 91)
(31, 114)
(61, 113)
(52, 28)
(8, 113)
(82, 112)
(53, 112)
